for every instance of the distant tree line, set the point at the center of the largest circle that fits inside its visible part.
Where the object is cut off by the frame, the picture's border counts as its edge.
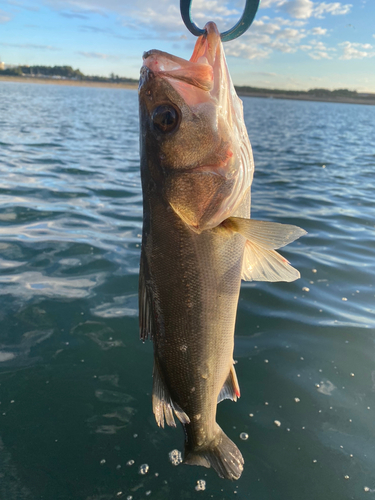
(322, 93)
(62, 72)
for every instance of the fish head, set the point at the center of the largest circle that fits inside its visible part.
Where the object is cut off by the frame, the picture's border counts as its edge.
(194, 143)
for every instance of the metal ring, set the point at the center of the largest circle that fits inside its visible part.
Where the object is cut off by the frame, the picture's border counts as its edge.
(238, 29)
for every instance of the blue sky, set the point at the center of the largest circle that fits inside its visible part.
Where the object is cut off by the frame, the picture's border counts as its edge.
(292, 44)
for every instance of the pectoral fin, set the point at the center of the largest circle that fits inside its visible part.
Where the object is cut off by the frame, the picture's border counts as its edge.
(261, 262)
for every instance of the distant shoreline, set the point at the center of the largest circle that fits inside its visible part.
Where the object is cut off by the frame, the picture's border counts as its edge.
(302, 97)
(72, 83)
(134, 86)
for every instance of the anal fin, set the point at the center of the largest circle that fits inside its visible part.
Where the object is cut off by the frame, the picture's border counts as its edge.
(230, 389)
(162, 404)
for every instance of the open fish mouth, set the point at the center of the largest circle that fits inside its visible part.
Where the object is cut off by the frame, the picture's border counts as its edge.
(199, 71)
(197, 74)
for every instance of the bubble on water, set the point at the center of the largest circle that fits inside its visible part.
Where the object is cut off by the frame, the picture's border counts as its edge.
(366, 488)
(352, 374)
(346, 477)
(129, 463)
(201, 485)
(314, 461)
(297, 400)
(305, 289)
(251, 414)
(344, 299)
(244, 436)
(102, 461)
(148, 493)
(143, 469)
(175, 457)
(277, 423)
(119, 493)
(129, 497)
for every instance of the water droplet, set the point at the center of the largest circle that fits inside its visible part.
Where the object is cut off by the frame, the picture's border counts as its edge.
(143, 469)
(201, 485)
(175, 457)
(244, 436)
(129, 463)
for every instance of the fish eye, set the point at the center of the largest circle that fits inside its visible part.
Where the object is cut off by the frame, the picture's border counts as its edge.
(165, 118)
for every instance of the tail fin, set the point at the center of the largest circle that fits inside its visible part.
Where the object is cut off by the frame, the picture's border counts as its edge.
(221, 454)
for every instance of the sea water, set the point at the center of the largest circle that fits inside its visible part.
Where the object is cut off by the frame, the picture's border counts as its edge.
(76, 421)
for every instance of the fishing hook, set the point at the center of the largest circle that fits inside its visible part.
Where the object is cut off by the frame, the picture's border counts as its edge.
(238, 29)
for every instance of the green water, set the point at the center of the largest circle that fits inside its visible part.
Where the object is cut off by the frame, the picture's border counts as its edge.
(75, 381)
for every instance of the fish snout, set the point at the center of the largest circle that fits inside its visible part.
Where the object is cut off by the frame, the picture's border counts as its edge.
(146, 76)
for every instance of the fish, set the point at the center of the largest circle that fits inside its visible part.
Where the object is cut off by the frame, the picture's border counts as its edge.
(198, 242)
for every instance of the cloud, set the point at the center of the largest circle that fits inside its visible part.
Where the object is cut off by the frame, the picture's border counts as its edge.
(32, 8)
(4, 17)
(352, 50)
(300, 9)
(246, 51)
(266, 4)
(320, 54)
(335, 8)
(97, 55)
(318, 31)
(267, 36)
(318, 50)
(74, 15)
(29, 46)
(305, 9)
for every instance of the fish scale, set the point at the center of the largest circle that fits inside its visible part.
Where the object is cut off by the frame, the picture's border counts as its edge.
(198, 241)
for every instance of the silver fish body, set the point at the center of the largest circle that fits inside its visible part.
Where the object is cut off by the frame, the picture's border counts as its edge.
(196, 169)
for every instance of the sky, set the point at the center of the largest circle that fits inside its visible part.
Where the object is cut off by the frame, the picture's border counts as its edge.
(292, 44)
